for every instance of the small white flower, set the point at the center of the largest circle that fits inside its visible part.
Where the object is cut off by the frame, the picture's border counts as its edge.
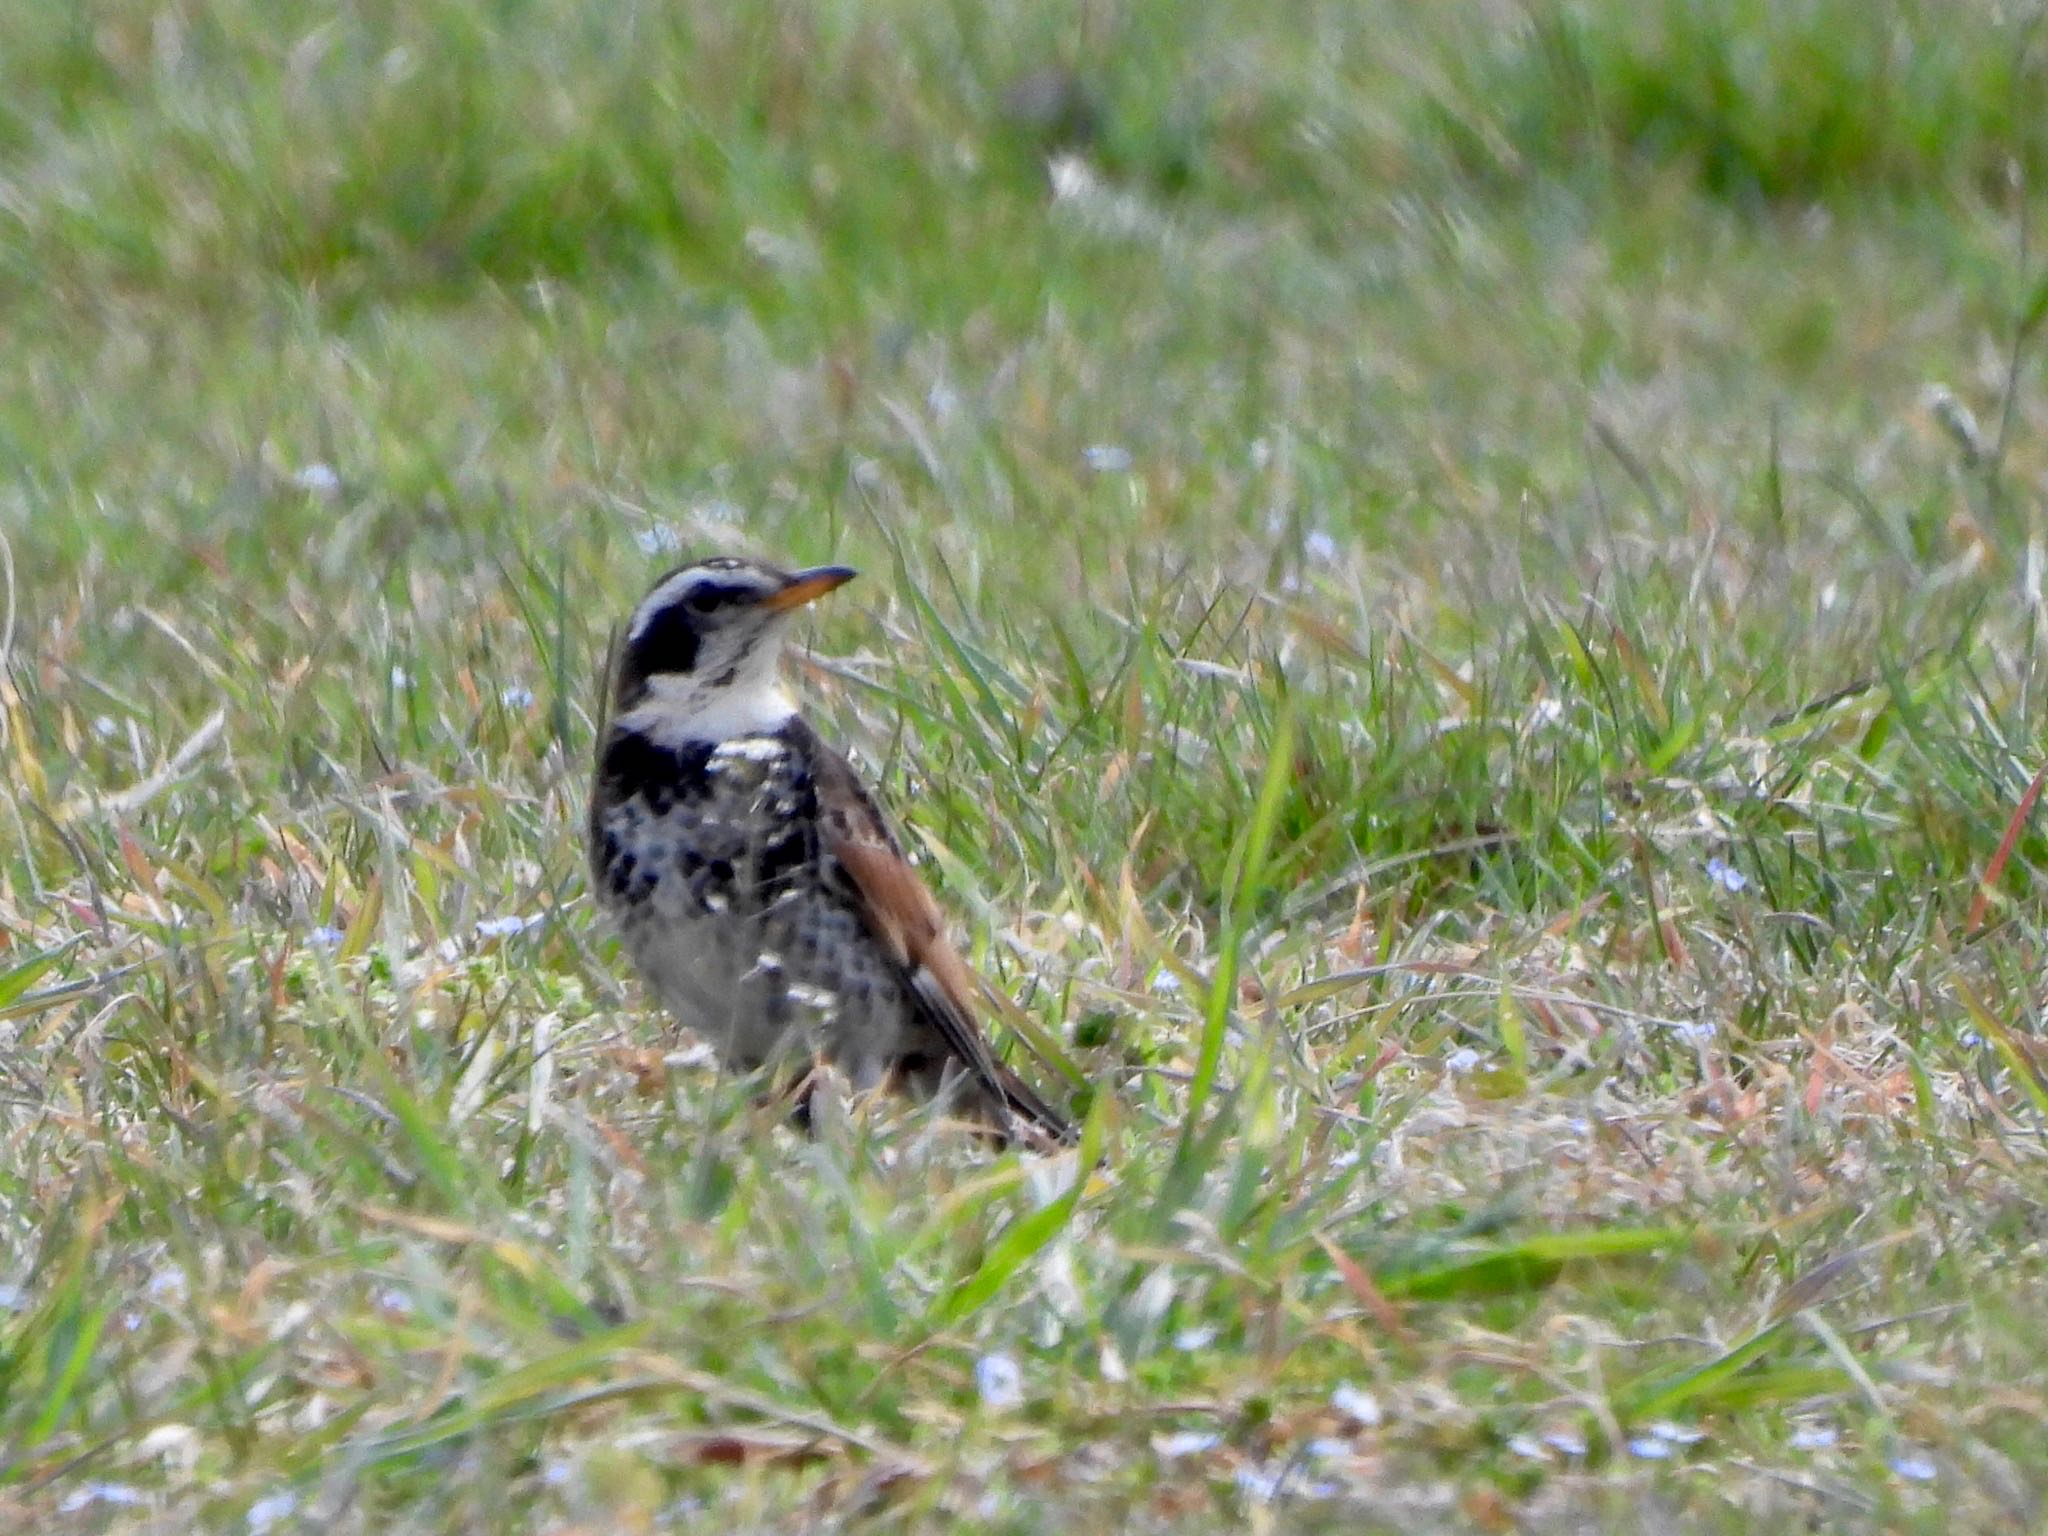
(785, 254)
(506, 927)
(1357, 1405)
(104, 725)
(1110, 1361)
(941, 400)
(1319, 545)
(1000, 1381)
(1814, 1437)
(1915, 1466)
(516, 696)
(167, 1285)
(324, 937)
(1568, 1442)
(268, 1510)
(1107, 458)
(1528, 1447)
(1260, 1484)
(1071, 177)
(318, 480)
(1677, 1434)
(100, 1493)
(1184, 1442)
(1189, 1340)
(177, 1443)
(391, 1301)
(400, 678)
(1649, 1448)
(1463, 1059)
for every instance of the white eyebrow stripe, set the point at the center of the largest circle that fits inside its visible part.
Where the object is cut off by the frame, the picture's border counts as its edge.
(661, 597)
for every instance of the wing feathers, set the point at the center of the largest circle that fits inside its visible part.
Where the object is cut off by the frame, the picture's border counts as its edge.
(902, 915)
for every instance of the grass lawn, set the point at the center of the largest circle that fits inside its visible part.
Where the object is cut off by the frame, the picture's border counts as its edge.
(1453, 599)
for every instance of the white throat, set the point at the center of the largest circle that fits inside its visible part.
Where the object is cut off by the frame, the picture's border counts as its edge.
(676, 709)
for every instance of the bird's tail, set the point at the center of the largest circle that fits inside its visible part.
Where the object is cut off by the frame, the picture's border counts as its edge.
(1034, 1122)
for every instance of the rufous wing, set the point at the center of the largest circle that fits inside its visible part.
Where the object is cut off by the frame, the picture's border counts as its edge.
(903, 917)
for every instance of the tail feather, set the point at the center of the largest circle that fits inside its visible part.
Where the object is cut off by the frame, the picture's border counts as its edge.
(1031, 1114)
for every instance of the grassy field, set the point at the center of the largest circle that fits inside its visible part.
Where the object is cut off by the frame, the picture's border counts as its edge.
(1453, 599)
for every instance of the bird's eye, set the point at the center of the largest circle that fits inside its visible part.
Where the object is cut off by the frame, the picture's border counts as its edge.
(704, 600)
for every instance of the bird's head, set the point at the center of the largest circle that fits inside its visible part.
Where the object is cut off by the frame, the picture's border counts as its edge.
(699, 657)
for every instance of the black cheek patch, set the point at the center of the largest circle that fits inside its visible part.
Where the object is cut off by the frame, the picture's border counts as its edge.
(669, 643)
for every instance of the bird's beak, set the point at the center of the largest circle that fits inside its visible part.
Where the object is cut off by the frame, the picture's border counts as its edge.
(805, 586)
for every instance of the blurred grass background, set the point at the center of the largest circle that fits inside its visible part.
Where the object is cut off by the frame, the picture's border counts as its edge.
(1474, 569)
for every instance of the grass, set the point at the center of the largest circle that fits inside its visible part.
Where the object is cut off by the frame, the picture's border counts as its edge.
(1453, 603)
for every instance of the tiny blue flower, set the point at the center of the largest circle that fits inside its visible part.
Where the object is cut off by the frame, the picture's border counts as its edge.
(1107, 458)
(1726, 875)
(1184, 1442)
(1260, 1484)
(1357, 1405)
(119, 1494)
(506, 927)
(1000, 1381)
(1677, 1434)
(269, 1510)
(319, 480)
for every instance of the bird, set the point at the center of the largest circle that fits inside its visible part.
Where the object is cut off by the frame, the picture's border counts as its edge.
(754, 882)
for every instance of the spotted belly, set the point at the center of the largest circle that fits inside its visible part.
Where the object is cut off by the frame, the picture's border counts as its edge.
(710, 867)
